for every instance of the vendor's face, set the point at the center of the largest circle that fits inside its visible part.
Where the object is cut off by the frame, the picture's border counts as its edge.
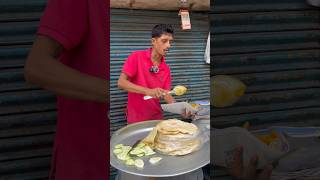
(162, 44)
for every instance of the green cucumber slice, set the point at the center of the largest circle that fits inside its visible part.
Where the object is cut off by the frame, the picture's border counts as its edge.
(139, 163)
(155, 160)
(136, 151)
(122, 156)
(140, 145)
(130, 162)
(117, 151)
(148, 151)
(140, 155)
(126, 148)
(118, 146)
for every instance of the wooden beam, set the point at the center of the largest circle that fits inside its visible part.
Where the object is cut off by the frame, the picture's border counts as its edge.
(193, 5)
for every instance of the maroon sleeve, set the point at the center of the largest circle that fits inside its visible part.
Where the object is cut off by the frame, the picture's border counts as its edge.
(65, 21)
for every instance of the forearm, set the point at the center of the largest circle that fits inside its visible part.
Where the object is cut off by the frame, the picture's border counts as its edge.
(131, 87)
(49, 73)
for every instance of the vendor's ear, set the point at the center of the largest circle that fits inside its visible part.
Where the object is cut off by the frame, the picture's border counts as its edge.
(153, 40)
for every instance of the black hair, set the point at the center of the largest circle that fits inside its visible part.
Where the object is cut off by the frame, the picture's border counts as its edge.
(160, 29)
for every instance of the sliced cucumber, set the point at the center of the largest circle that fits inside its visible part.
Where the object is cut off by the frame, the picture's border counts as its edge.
(126, 148)
(140, 145)
(148, 151)
(136, 151)
(122, 153)
(118, 146)
(130, 162)
(122, 156)
(155, 160)
(117, 151)
(127, 157)
(139, 163)
(140, 155)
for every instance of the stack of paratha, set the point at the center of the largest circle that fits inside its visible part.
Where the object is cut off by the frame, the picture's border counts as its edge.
(174, 137)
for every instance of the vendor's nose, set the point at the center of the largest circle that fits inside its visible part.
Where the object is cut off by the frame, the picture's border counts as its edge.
(168, 45)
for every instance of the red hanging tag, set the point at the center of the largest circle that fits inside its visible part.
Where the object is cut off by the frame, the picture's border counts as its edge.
(185, 19)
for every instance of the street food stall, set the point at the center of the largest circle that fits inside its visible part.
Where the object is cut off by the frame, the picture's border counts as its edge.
(130, 26)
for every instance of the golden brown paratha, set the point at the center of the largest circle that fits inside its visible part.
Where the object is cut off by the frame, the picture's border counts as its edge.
(174, 126)
(174, 137)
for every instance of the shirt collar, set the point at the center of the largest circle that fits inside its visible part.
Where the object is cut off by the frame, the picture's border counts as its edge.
(149, 51)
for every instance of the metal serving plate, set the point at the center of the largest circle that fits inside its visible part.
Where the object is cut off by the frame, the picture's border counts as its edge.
(168, 166)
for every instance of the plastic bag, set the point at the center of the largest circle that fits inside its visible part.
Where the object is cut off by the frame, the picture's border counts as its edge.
(178, 108)
(303, 158)
(225, 142)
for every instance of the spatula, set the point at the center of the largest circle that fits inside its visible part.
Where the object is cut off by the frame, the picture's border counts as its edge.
(177, 90)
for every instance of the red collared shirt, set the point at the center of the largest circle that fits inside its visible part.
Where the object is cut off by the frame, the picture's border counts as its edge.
(137, 67)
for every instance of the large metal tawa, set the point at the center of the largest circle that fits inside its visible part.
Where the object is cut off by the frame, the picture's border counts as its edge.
(168, 166)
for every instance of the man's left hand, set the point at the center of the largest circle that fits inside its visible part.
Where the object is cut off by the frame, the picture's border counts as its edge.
(186, 114)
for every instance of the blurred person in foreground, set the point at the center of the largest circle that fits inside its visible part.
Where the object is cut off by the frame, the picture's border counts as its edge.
(227, 90)
(69, 58)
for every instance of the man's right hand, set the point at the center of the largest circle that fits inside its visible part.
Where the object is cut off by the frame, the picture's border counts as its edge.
(156, 92)
(241, 172)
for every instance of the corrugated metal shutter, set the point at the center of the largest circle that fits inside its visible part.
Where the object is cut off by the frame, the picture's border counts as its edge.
(273, 46)
(131, 30)
(27, 114)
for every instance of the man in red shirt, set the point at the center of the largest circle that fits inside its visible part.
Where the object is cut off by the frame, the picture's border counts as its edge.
(69, 58)
(145, 72)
